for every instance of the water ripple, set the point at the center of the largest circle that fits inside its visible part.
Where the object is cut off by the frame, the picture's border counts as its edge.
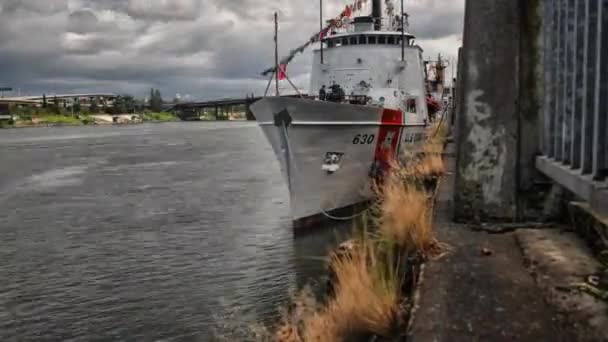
(152, 233)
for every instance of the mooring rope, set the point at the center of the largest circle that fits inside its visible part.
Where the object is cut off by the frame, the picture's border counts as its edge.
(345, 218)
(443, 115)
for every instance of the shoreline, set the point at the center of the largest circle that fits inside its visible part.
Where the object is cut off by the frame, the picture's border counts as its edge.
(9, 127)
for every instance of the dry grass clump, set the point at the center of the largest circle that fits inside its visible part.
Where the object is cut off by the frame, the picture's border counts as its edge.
(304, 307)
(368, 277)
(428, 165)
(438, 132)
(428, 162)
(432, 160)
(367, 297)
(424, 161)
(366, 301)
(404, 216)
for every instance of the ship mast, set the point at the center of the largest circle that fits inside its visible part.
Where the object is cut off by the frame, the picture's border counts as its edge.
(377, 14)
(332, 24)
(402, 33)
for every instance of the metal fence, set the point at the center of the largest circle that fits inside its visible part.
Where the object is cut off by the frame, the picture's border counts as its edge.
(575, 127)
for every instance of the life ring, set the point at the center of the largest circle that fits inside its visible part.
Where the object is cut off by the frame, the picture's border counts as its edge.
(338, 24)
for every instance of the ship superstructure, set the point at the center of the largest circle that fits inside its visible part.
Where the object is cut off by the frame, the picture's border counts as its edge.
(368, 81)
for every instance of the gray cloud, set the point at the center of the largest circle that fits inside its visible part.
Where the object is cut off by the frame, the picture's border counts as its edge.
(433, 19)
(82, 21)
(207, 48)
(164, 10)
(35, 6)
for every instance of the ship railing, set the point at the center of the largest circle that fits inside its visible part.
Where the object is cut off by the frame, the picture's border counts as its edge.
(388, 24)
(575, 118)
(345, 99)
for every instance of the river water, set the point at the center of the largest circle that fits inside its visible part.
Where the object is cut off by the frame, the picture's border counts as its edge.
(165, 232)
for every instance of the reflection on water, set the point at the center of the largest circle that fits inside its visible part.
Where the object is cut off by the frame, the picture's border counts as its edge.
(152, 232)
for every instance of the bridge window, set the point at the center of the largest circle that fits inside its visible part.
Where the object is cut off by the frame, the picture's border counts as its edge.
(410, 105)
(353, 41)
(344, 41)
(382, 40)
(391, 40)
(330, 43)
(371, 40)
(362, 40)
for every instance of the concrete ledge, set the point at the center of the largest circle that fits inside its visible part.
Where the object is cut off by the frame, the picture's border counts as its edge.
(595, 193)
(559, 260)
(589, 225)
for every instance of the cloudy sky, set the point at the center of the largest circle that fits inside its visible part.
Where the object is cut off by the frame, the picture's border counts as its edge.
(206, 48)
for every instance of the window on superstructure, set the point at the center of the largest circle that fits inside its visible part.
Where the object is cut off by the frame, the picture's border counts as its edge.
(344, 41)
(330, 43)
(410, 105)
(362, 40)
(391, 40)
(371, 40)
(353, 41)
(382, 40)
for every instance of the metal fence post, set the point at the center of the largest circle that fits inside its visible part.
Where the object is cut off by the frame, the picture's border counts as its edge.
(591, 40)
(553, 61)
(547, 73)
(600, 160)
(561, 81)
(569, 85)
(578, 84)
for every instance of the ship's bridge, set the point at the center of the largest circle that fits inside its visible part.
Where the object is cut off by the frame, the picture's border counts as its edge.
(365, 31)
(368, 38)
(365, 64)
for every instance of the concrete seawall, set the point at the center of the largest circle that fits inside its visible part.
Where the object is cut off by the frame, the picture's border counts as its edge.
(498, 113)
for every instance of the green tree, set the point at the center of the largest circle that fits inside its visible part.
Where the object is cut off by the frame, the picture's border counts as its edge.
(76, 105)
(94, 106)
(128, 103)
(44, 101)
(140, 105)
(156, 100)
(56, 107)
(119, 106)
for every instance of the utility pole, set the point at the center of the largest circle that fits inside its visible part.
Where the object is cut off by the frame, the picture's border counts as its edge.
(276, 51)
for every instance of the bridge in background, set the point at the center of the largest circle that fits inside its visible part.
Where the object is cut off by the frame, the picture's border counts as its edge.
(220, 109)
(84, 99)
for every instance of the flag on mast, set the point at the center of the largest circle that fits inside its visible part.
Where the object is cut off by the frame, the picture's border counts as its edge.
(282, 72)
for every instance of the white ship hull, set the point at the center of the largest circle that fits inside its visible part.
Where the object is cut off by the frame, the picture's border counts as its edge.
(329, 153)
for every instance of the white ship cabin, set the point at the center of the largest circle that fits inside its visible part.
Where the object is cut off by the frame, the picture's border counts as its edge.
(363, 65)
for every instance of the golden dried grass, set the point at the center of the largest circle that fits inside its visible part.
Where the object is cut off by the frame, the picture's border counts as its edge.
(367, 284)
(404, 217)
(426, 161)
(367, 297)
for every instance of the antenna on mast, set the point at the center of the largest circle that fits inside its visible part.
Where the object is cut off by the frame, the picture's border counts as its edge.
(321, 27)
(402, 33)
(276, 51)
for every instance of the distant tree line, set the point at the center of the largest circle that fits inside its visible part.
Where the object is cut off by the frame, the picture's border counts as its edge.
(156, 100)
(123, 104)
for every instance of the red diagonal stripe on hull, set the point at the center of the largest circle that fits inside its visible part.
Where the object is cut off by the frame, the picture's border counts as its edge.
(392, 116)
(387, 144)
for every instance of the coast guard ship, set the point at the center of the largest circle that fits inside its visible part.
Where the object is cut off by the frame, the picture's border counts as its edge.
(371, 106)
